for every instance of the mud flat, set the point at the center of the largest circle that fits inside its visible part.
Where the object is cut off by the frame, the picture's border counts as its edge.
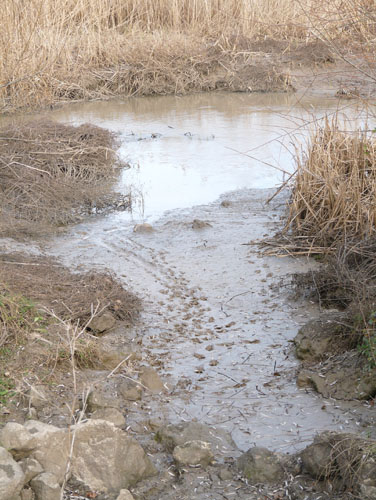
(205, 379)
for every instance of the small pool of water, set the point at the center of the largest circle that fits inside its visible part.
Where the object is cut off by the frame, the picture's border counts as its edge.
(187, 151)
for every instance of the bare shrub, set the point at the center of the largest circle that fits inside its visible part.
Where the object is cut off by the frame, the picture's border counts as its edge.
(51, 174)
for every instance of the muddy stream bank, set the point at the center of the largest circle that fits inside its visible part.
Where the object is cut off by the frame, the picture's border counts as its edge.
(215, 320)
(216, 324)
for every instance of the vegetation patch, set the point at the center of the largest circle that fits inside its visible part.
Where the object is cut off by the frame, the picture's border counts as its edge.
(45, 310)
(334, 191)
(70, 50)
(53, 174)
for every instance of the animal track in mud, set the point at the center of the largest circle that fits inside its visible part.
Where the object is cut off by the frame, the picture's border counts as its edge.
(182, 310)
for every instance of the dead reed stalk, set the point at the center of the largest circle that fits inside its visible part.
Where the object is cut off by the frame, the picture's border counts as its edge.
(334, 192)
(60, 50)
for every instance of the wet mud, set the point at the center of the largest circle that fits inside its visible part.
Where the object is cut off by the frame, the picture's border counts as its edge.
(217, 323)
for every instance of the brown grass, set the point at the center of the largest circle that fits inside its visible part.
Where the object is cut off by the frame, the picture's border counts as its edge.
(59, 50)
(40, 301)
(334, 191)
(69, 295)
(51, 174)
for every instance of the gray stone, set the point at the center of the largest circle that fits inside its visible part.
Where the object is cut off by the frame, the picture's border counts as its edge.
(52, 447)
(178, 434)
(143, 228)
(106, 458)
(17, 439)
(11, 476)
(151, 380)
(193, 453)
(110, 415)
(103, 322)
(27, 494)
(103, 396)
(125, 495)
(46, 487)
(260, 465)
(129, 390)
(31, 468)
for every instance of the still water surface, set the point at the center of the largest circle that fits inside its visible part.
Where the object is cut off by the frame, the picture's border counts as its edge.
(186, 151)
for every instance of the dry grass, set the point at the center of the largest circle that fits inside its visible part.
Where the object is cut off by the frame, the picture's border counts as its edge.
(69, 296)
(42, 304)
(74, 49)
(51, 174)
(334, 191)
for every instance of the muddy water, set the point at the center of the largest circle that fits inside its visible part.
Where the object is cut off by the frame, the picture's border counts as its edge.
(216, 323)
(188, 151)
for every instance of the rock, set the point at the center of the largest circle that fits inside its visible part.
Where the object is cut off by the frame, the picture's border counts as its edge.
(52, 447)
(31, 468)
(200, 224)
(104, 395)
(344, 376)
(129, 390)
(18, 440)
(193, 453)
(106, 458)
(143, 228)
(226, 203)
(46, 487)
(103, 322)
(27, 494)
(12, 477)
(260, 465)
(178, 434)
(321, 337)
(110, 415)
(125, 495)
(225, 474)
(38, 397)
(151, 380)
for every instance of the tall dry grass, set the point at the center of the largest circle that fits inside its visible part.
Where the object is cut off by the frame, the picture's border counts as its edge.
(333, 198)
(53, 50)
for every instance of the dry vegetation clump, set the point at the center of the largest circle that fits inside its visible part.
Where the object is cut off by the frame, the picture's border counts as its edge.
(51, 174)
(45, 314)
(331, 214)
(78, 49)
(71, 296)
(333, 198)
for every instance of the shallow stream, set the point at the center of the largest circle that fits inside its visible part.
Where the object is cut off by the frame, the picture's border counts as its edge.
(216, 322)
